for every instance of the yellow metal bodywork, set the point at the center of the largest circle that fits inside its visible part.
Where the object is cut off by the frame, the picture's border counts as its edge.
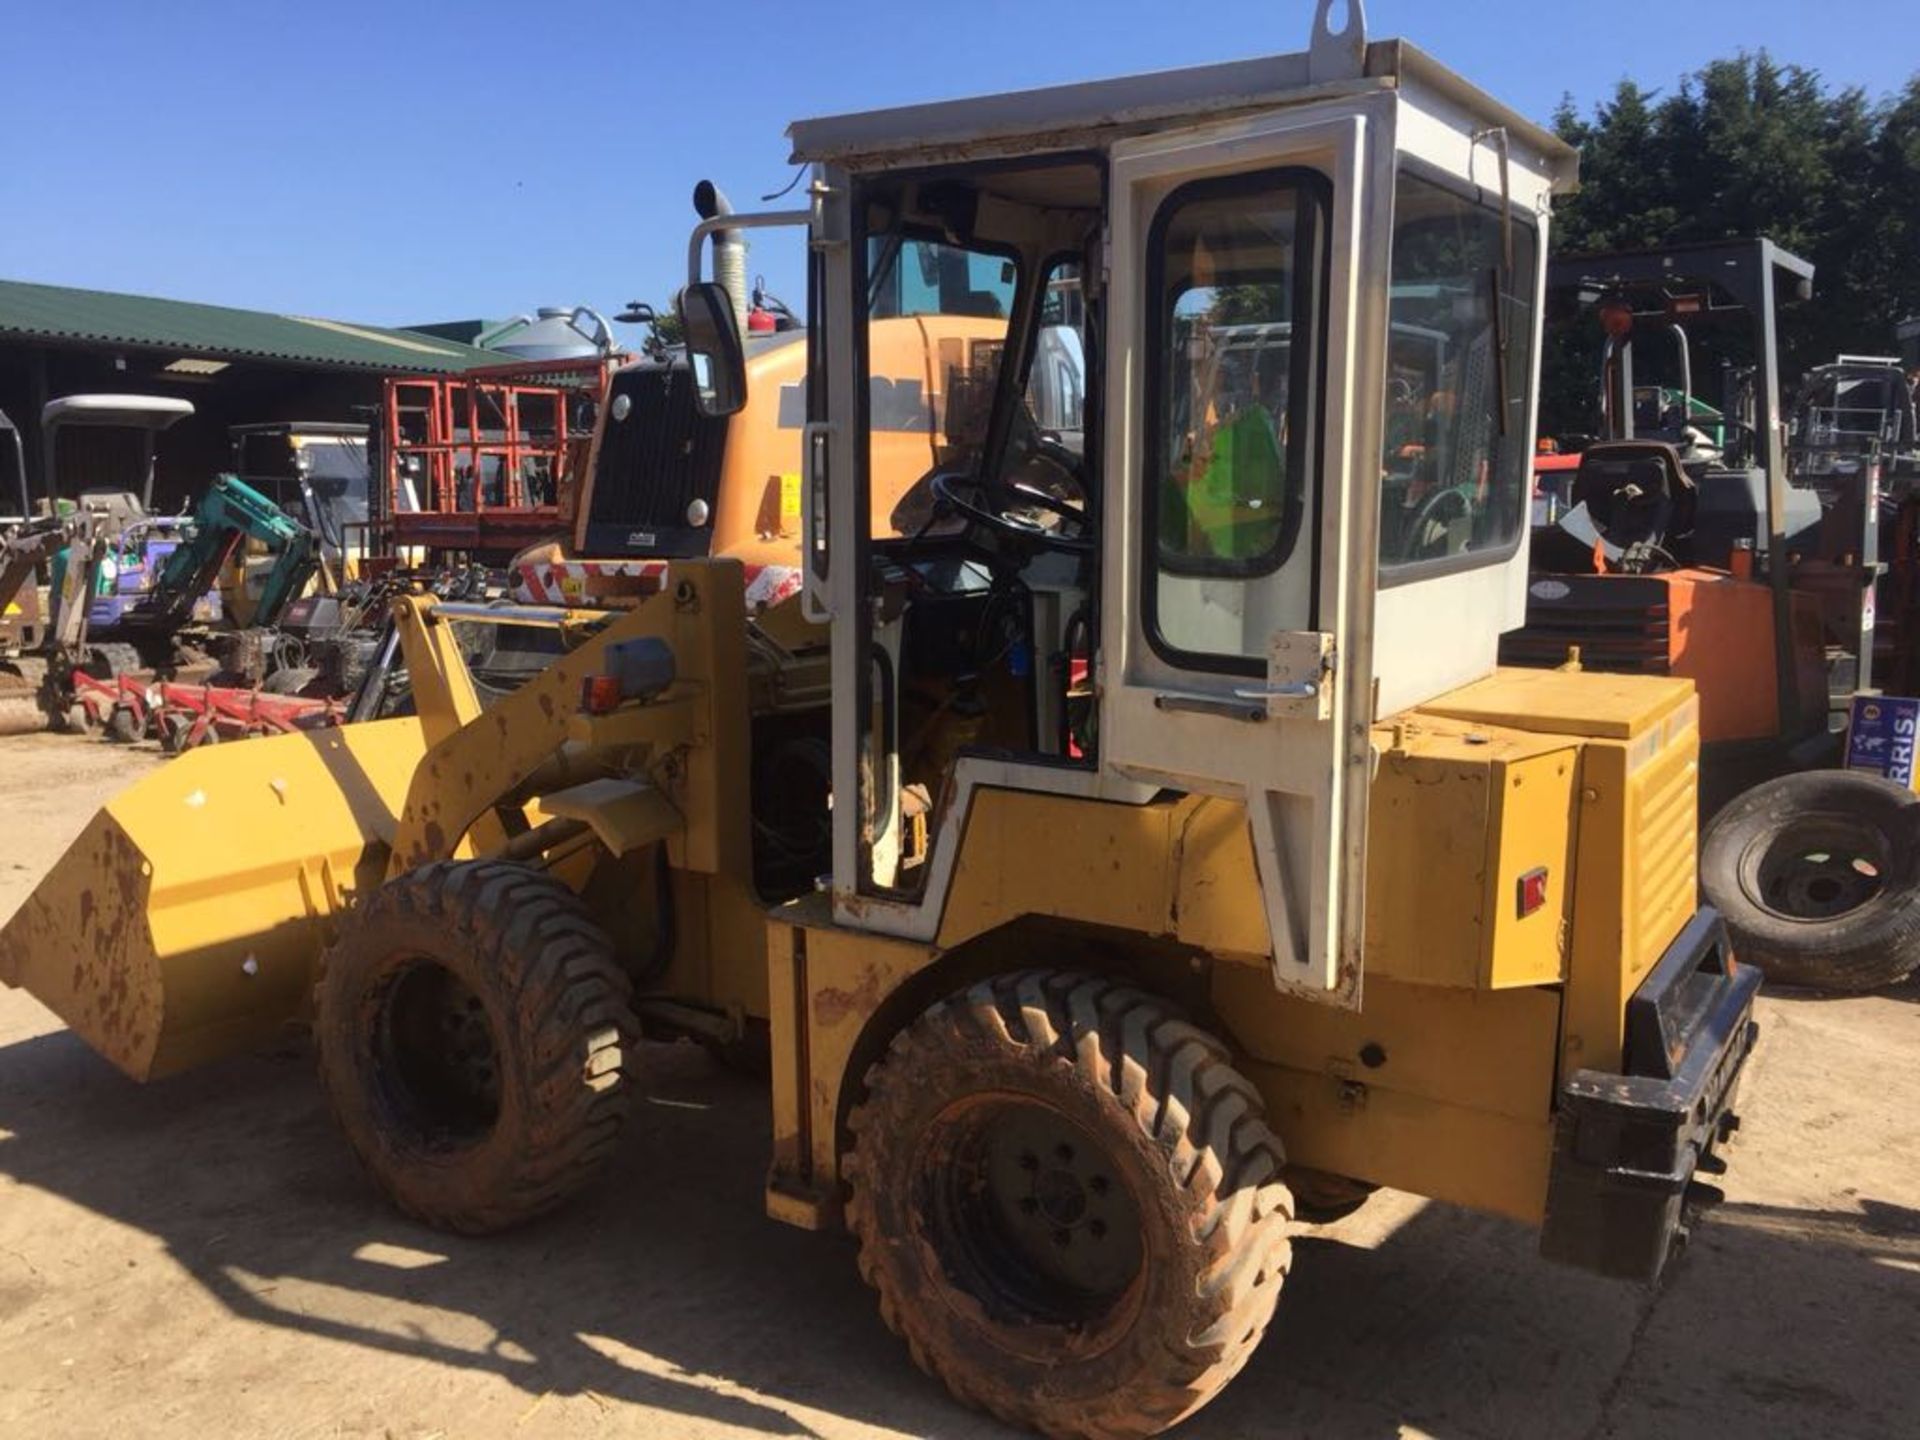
(185, 920)
(1458, 815)
(1443, 1083)
(1637, 833)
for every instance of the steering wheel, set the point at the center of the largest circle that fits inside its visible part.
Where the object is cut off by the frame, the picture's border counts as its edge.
(1413, 542)
(946, 493)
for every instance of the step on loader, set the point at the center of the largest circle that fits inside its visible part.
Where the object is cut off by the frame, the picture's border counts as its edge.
(1085, 971)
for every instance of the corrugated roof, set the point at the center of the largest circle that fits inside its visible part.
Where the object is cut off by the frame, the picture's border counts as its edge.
(57, 313)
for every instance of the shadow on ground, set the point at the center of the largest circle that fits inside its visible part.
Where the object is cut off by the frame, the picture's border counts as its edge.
(1777, 1322)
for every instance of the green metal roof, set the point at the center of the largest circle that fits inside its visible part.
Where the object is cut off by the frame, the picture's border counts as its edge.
(58, 313)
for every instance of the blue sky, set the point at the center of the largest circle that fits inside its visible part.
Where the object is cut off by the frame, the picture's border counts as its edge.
(404, 161)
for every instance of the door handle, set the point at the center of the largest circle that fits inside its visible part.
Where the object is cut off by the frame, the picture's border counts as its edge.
(1286, 690)
(1212, 705)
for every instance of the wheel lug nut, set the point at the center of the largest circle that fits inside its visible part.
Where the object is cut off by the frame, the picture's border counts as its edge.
(1097, 1229)
(1098, 1184)
(1064, 1152)
(1063, 1237)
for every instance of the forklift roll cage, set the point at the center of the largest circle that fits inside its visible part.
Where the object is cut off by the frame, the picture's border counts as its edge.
(1291, 738)
(1753, 277)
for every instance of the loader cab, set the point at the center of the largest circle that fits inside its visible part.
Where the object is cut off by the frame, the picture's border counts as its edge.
(318, 472)
(1296, 499)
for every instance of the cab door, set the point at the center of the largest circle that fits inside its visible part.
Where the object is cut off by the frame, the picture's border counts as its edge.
(1247, 280)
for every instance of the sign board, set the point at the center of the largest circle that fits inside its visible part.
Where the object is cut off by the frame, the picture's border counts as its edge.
(1881, 734)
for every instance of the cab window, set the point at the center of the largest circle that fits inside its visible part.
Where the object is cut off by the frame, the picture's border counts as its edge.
(1455, 452)
(1234, 280)
(936, 337)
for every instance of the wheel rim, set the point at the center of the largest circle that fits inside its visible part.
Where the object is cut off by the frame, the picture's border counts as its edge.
(1029, 1215)
(436, 1068)
(1817, 869)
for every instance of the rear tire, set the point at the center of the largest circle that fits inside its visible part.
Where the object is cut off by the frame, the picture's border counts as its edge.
(1069, 1203)
(472, 1027)
(1818, 876)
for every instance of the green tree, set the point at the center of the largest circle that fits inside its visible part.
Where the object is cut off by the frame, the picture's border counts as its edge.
(1743, 147)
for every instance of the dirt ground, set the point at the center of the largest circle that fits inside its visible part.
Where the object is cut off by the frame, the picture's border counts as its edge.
(200, 1258)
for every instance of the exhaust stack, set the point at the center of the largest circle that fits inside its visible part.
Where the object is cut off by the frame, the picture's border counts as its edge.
(729, 249)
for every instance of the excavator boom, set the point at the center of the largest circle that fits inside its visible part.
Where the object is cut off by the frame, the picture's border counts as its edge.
(229, 514)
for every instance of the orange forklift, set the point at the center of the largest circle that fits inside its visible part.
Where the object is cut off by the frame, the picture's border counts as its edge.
(1680, 543)
(1676, 545)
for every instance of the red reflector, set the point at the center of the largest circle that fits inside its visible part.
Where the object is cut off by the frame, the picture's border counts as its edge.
(600, 694)
(1533, 891)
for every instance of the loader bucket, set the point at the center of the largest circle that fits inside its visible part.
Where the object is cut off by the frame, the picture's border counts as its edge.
(186, 921)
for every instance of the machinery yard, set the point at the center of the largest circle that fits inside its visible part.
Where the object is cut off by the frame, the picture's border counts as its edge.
(199, 1256)
(1267, 688)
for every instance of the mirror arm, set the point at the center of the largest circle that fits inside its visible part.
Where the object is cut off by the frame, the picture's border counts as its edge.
(765, 220)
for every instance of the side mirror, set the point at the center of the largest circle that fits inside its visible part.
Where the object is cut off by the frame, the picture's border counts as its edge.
(714, 353)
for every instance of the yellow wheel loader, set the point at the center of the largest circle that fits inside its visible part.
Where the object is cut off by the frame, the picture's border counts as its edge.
(1095, 869)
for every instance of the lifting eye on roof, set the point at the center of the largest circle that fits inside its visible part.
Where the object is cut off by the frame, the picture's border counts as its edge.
(1337, 54)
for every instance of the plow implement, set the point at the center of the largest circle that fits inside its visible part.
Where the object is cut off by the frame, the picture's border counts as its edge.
(183, 716)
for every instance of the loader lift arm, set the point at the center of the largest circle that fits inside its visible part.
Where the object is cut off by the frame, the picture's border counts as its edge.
(230, 513)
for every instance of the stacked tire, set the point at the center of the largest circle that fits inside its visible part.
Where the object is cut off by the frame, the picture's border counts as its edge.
(1818, 876)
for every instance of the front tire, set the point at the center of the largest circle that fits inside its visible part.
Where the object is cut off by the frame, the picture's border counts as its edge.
(472, 1027)
(1069, 1203)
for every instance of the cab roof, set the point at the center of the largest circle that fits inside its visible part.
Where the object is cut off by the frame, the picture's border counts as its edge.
(1063, 116)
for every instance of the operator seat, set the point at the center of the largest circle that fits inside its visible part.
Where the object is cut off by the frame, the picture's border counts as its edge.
(1637, 492)
(121, 508)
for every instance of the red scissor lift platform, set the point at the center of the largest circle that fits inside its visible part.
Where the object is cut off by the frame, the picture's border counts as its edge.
(483, 464)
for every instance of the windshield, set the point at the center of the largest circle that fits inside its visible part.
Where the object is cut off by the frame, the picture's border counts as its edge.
(335, 469)
(938, 318)
(1454, 457)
